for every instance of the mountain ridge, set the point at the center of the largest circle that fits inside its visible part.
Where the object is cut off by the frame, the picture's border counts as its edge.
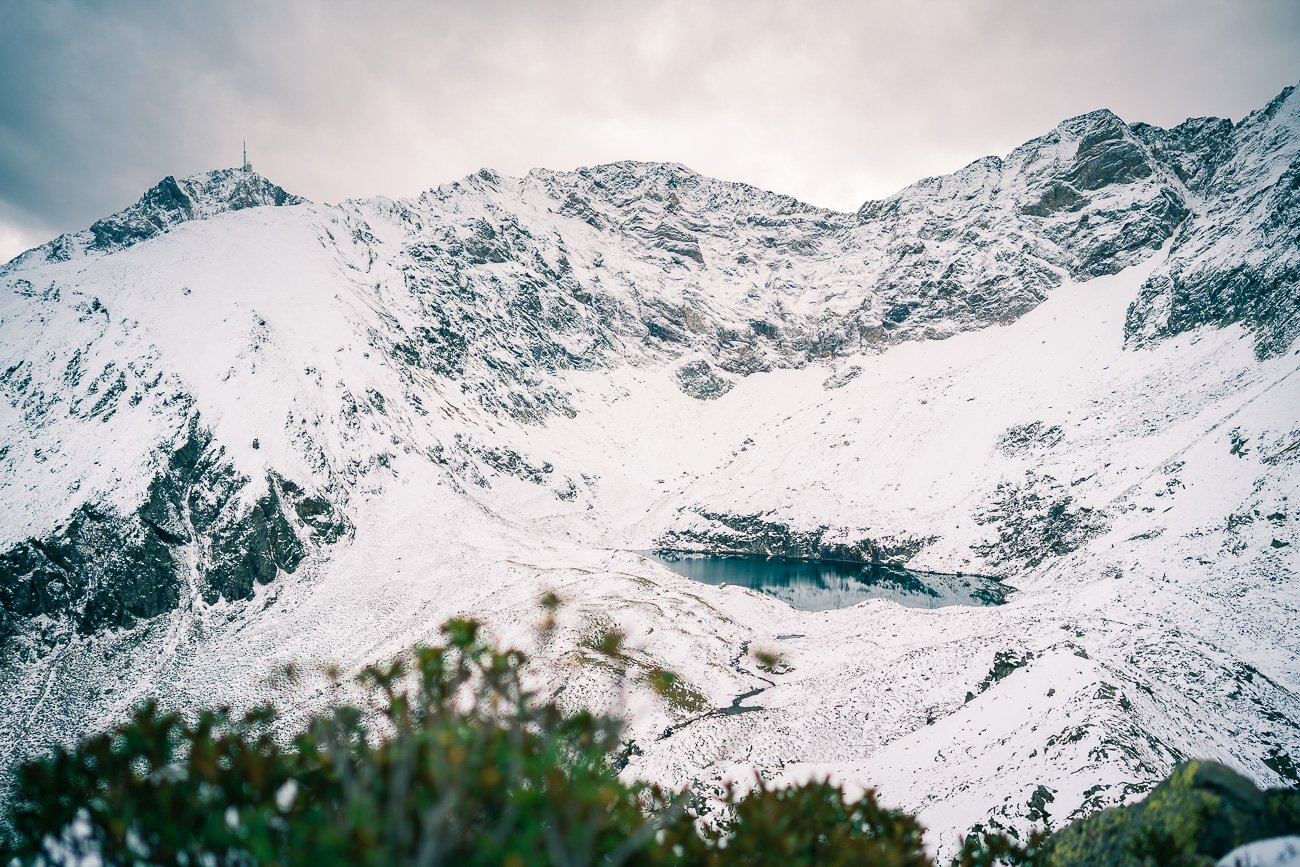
(1143, 181)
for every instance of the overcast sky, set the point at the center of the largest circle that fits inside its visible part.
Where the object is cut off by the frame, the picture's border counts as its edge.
(834, 103)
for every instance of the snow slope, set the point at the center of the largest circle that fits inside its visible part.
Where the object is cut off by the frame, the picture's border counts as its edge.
(255, 430)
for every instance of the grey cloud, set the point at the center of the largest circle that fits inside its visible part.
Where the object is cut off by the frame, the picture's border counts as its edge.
(831, 102)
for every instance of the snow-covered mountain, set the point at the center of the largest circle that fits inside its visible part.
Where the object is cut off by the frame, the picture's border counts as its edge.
(241, 429)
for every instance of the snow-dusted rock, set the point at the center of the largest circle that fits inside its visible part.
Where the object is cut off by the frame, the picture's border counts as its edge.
(1237, 257)
(1277, 852)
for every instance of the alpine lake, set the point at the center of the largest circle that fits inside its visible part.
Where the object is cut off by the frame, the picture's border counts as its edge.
(819, 585)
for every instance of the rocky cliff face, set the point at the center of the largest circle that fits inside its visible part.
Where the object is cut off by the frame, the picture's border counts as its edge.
(194, 537)
(1237, 257)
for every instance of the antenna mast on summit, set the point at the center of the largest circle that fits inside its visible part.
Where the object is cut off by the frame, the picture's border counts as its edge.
(248, 167)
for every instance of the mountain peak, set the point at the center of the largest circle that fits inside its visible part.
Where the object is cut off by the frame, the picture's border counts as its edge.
(173, 201)
(1101, 118)
(164, 206)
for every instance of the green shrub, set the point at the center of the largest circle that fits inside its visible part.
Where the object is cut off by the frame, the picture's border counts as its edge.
(814, 825)
(678, 694)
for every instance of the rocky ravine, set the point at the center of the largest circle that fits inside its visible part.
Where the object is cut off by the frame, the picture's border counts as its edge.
(240, 428)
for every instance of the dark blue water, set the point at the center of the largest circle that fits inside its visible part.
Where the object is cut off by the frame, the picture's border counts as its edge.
(817, 585)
